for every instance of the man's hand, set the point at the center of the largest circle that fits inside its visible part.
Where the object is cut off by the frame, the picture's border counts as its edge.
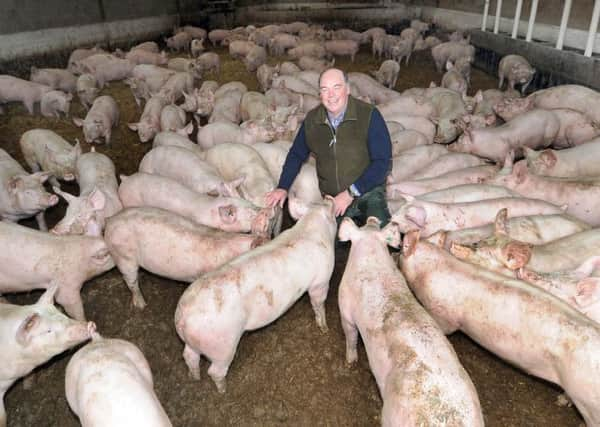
(276, 197)
(341, 202)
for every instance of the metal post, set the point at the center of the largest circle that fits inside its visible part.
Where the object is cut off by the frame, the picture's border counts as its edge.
(497, 20)
(517, 18)
(486, 10)
(534, 5)
(589, 46)
(563, 24)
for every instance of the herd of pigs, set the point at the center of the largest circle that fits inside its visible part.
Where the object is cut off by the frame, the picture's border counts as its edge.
(498, 192)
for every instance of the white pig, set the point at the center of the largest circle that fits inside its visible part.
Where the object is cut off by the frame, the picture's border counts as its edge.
(100, 119)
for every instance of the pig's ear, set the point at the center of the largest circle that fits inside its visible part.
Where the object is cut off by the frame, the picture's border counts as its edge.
(438, 238)
(409, 244)
(133, 126)
(230, 189)
(47, 297)
(227, 214)
(26, 327)
(490, 119)
(516, 255)
(390, 235)
(508, 164)
(460, 251)
(417, 215)
(96, 200)
(189, 128)
(520, 171)
(67, 196)
(78, 122)
(548, 157)
(501, 222)
(449, 65)
(587, 292)
(478, 96)
(15, 183)
(347, 230)
(101, 256)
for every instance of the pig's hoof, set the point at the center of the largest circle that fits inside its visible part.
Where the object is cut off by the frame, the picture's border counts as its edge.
(138, 302)
(323, 328)
(195, 374)
(221, 385)
(563, 400)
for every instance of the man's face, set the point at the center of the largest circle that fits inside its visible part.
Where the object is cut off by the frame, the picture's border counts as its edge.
(334, 92)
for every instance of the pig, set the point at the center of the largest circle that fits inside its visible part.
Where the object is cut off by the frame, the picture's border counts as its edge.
(31, 335)
(34, 259)
(234, 160)
(516, 70)
(176, 140)
(217, 35)
(79, 54)
(532, 229)
(142, 56)
(189, 169)
(231, 214)
(413, 160)
(346, 34)
(575, 128)
(475, 121)
(467, 193)
(185, 65)
(196, 47)
(13, 89)
(279, 43)
(375, 300)
(179, 41)
(195, 32)
(487, 99)
(451, 51)
(149, 72)
(580, 161)
(97, 200)
(149, 124)
(254, 105)
(227, 107)
(387, 74)
(407, 139)
(472, 175)
(417, 123)
(169, 245)
(448, 163)
(54, 103)
(23, 195)
(147, 46)
(295, 84)
(289, 68)
(400, 49)
(579, 197)
(108, 68)
(314, 64)
(240, 48)
(342, 48)
(429, 217)
(249, 298)
(255, 57)
(48, 151)
(265, 74)
(432, 41)
(408, 105)
(175, 86)
(172, 119)
(371, 88)
(92, 393)
(56, 78)
(371, 33)
(87, 89)
(209, 62)
(454, 80)
(519, 335)
(294, 27)
(224, 132)
(314, 49)
(534, 129)
(378, 45)
(100, 119)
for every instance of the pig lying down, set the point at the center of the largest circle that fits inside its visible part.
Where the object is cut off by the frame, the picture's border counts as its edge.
(254, 289)
(416, 369)
(31, 335)
(108, 382)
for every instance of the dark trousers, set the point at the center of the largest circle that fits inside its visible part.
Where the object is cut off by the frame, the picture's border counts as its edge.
(372, 203)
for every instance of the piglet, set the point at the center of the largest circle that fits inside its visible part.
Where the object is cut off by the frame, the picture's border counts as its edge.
(100, 119)
(109, 382)
(31, 335)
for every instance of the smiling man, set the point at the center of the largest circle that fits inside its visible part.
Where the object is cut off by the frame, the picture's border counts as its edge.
(352, 147)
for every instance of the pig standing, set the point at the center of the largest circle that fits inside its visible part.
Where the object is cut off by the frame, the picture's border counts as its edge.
(98, 198)
(342, 48)
(109, 382)
(13, 89)
(255, 57)
(31, 335)
(169, 245)
(516, 70)
(87, 89)
(47, 150)
(253, 290)
(149, 124)
(208, 62)
(23, 195)
(33, 259)
(172, 119)
(451, 51)
(581, 161)
(56, 78)
(387, 74)
(511, 319)
(100, 119)
(375, 300)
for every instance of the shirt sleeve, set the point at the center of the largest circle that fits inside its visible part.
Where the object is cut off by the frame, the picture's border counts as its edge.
(380, 153)
(297, 155)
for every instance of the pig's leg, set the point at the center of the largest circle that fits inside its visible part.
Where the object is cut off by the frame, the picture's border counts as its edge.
(2, 410)
(524, 87)
(71, 302)
(129, 270)
(107, 135)
(224, 355)
(41, 221)
(351, 333)
(192, 360)
(29, 105)
(318, 294)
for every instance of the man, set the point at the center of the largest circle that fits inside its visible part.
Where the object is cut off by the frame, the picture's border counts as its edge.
(352, 147)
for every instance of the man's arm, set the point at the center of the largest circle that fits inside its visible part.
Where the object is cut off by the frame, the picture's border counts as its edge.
(297, 155)
(380, 153)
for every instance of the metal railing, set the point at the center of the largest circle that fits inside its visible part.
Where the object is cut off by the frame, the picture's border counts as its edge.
(532, 15)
